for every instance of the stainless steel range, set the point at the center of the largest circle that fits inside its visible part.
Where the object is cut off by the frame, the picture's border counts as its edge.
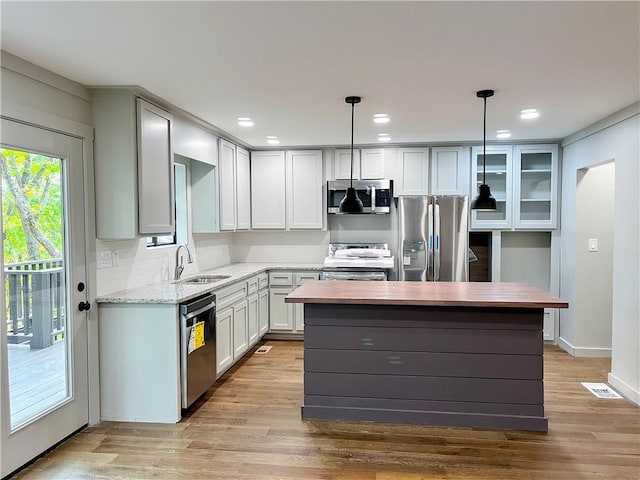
(356, 261)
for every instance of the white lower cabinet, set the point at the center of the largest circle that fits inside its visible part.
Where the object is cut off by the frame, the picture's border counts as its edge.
(253, 315)
(286, 317)
(242, 319)
(240, 329)
(280, 313)
(263, 312)
(232, 339)
(224, 352)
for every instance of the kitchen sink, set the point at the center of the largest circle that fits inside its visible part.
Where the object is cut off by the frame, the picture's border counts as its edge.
(204, 279)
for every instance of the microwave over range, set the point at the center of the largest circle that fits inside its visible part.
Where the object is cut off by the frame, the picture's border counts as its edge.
(376, 195)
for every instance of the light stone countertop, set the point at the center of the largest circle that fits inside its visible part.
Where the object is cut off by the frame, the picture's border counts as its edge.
(173, 293)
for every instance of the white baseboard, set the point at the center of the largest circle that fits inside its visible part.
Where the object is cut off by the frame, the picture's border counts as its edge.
(566, 346)
(593, 352)
(624, 389)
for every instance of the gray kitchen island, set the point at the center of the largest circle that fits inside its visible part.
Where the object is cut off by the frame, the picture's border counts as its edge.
(434, 353)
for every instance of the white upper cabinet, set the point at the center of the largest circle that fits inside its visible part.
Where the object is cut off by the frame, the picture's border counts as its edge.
(304, 189)
(268, 190)
(243, 189)
(234, 186)
(368, 163)
(498, 177)
(342, 164)
(372, 163)
(450, 171)
(155, 170)
(287, 190)
(535, 186)
(413, 174)
(133, 166)
(227, 185)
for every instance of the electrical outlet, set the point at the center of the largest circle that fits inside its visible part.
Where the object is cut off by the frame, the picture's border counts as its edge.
(105, 260)
(593, 244)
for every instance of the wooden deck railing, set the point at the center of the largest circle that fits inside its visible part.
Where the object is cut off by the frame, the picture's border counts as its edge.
(35, 302)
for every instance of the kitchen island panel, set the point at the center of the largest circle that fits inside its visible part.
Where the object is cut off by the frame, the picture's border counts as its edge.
(438, 365)
(385, 362)
(426, 405)
(418, 387)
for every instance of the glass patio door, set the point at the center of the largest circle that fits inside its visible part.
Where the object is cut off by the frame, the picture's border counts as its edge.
(44, 394)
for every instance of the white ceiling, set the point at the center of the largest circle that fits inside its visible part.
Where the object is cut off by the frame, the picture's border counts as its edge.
(289, 65)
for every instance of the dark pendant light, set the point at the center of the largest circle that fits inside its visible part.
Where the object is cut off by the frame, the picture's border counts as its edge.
(484, 200)
(351, 203)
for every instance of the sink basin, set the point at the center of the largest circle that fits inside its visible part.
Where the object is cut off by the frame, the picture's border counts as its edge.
(204, 279)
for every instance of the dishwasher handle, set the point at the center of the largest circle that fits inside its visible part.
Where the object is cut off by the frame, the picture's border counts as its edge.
(197, 306)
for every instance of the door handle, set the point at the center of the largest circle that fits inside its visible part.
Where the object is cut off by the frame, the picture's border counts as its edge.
(82, 306)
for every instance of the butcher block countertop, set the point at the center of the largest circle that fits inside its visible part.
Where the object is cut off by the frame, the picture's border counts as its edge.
(433, 294)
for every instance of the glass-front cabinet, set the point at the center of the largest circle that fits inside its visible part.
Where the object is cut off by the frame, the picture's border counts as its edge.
(523, 180)
(497, 173)
(536, 186)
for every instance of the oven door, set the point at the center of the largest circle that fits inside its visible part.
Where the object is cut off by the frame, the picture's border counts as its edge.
(361, 275)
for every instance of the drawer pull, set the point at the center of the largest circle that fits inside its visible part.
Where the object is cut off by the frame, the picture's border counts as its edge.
(394, 360)
(367, 342)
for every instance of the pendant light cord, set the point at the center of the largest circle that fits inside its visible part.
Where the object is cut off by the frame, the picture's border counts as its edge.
(484, 145)
(352, 125)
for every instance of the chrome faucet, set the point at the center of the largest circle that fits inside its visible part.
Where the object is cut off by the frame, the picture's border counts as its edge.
(180, 263)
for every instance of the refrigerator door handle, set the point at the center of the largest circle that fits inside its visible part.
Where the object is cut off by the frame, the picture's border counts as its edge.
(430, 258)
(436, 248)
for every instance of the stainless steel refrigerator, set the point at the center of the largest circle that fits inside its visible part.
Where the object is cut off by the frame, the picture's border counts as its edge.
(433, 239)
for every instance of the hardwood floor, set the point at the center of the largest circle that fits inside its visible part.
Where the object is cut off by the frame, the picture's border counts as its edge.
(248, 427)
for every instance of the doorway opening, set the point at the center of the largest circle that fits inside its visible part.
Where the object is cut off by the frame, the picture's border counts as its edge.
(595, 198)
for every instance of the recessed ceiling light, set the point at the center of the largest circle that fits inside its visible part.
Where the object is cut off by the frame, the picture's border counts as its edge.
(529, 113)
(503, 134)
(381, 118)
(272, 137)
(245, 122)
(273, 140)
(384, 137)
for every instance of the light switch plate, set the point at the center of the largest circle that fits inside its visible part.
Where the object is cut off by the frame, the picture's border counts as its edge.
(593, 244)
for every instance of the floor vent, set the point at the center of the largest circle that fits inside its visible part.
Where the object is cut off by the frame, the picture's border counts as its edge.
(601, 390)
(264, 349)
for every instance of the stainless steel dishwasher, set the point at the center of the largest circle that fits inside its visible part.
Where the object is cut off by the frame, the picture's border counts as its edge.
(197, 347)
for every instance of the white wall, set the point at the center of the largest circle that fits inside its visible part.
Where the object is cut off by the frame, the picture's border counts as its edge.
(526, 257)
(594, 270)
(614, 139)
(37, 90)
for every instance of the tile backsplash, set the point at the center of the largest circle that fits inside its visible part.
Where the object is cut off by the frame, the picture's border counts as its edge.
(124, 264)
